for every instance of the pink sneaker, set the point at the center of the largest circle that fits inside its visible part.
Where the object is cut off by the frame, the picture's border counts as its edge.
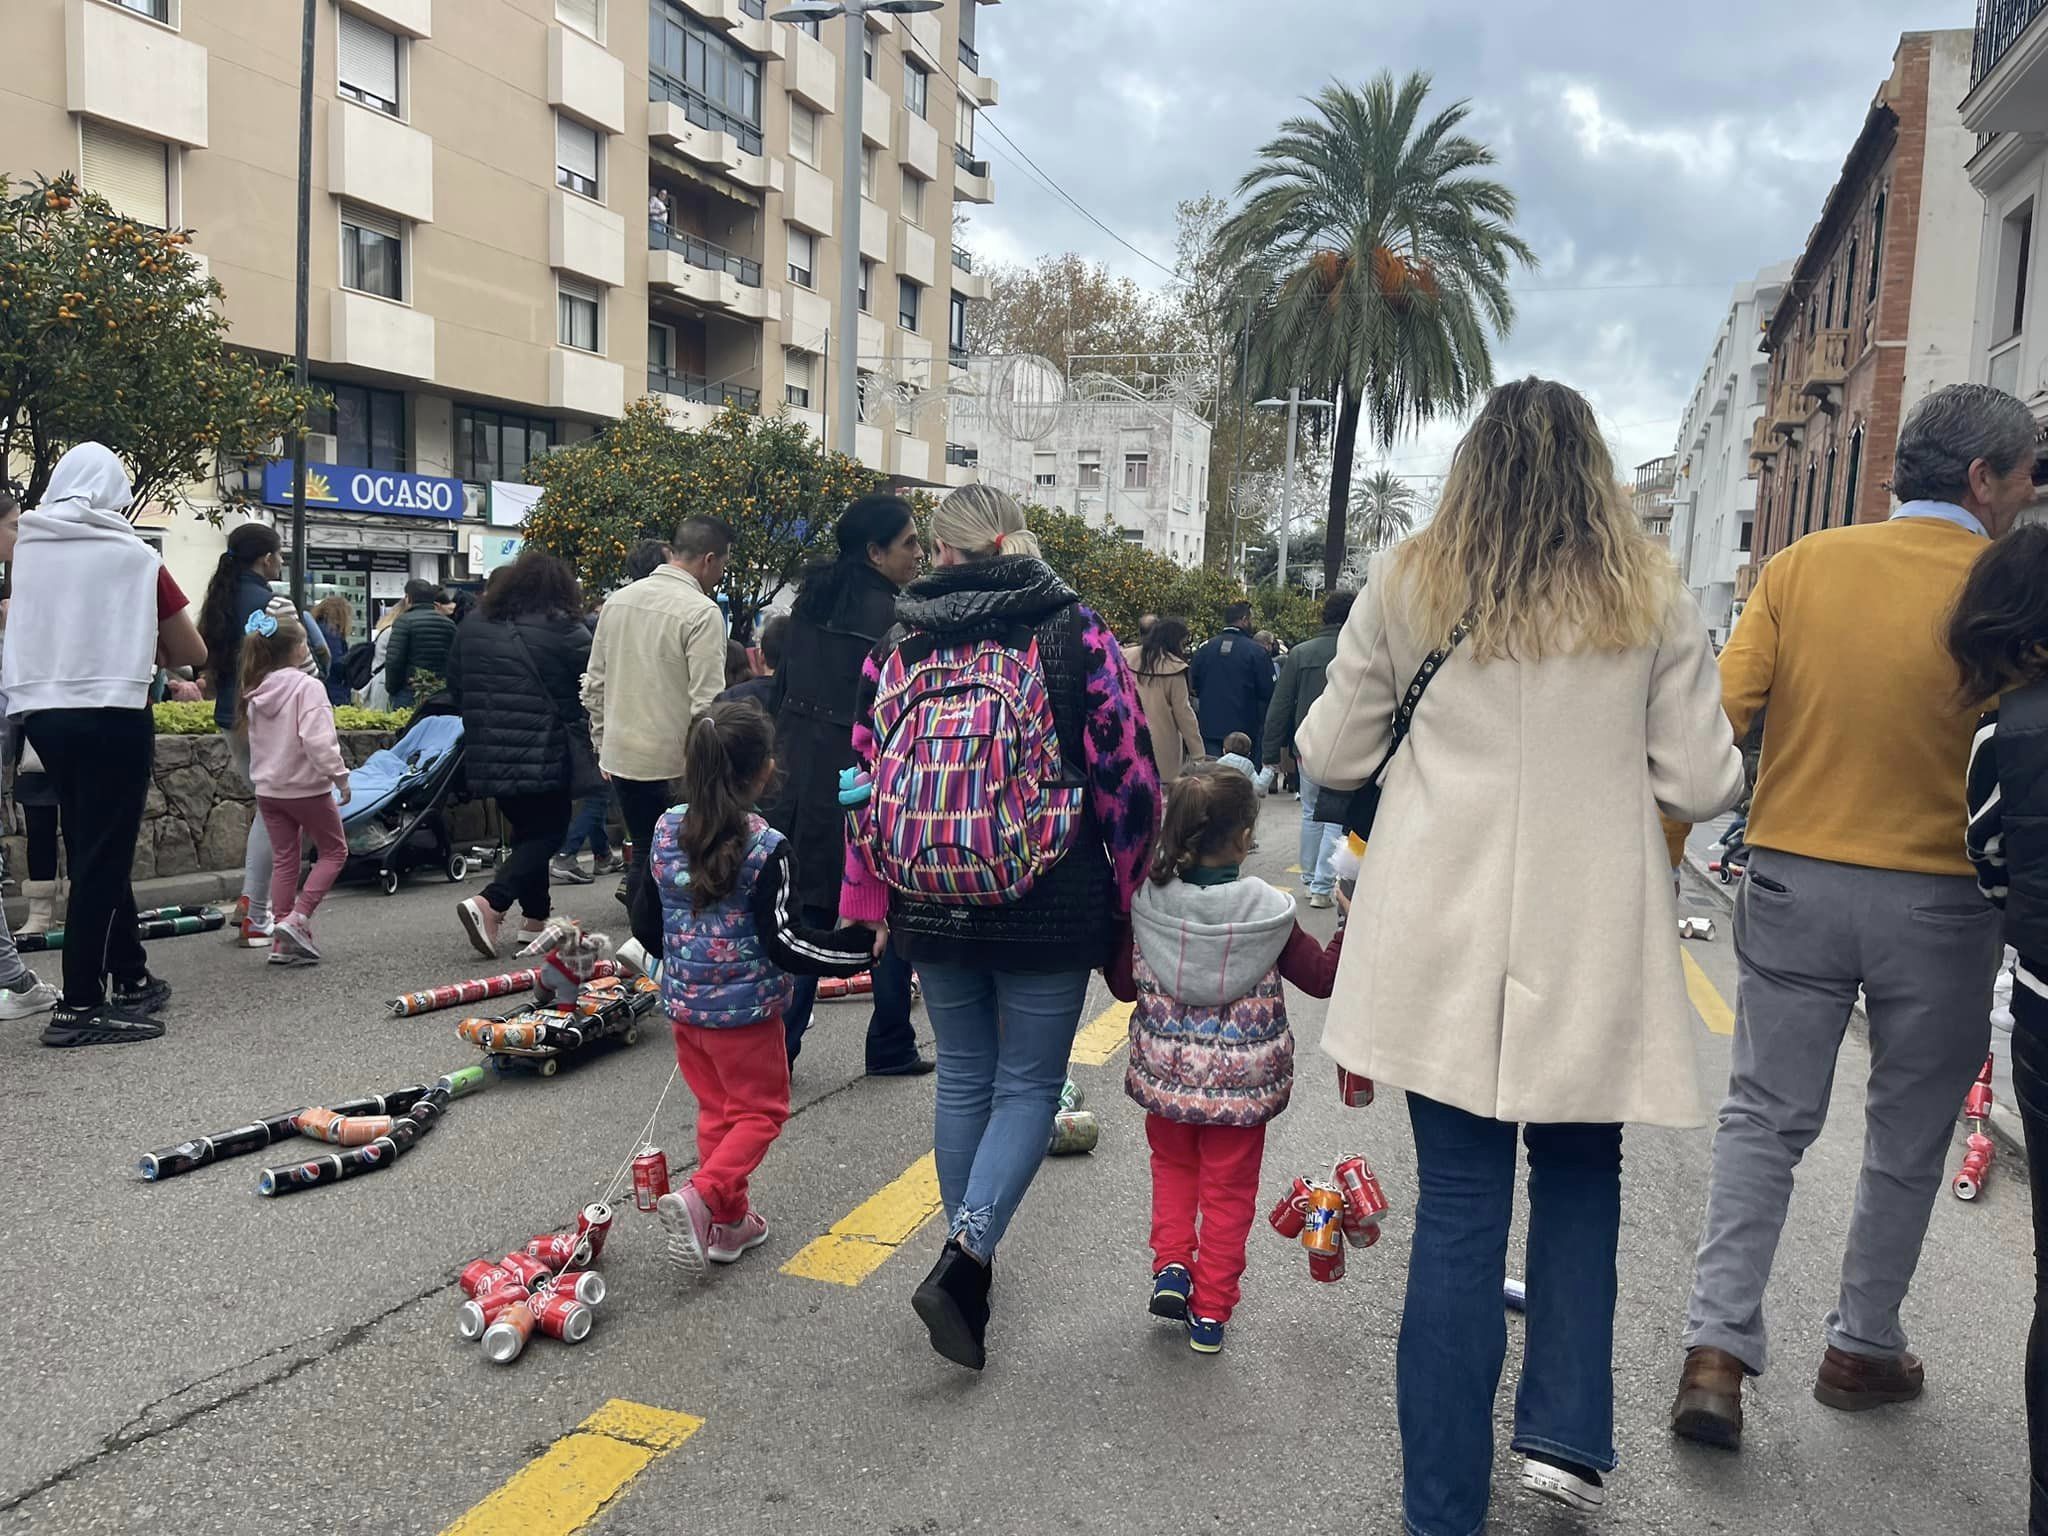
(295, 933)
(481, 924)
(687, 1220)
(730, 1239)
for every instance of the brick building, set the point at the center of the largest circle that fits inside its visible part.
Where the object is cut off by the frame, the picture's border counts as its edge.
(1880, 307)
(1651, 496)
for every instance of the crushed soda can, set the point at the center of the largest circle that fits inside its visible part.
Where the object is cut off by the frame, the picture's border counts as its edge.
(1696, 928)
(1073, 1131)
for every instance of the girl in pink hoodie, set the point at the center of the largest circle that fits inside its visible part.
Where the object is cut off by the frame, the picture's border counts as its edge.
(295, 764)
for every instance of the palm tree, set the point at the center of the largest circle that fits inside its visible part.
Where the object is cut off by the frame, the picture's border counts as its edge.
(1382, 510)
(1376, 259)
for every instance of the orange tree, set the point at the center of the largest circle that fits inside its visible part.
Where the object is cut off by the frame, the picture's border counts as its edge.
(110, 332)
(641, 476)
(1121, 580)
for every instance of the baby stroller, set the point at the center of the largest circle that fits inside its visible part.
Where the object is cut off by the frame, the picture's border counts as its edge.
(396, 818)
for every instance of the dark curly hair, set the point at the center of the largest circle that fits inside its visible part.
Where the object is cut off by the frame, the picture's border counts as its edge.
(1998, 630)
(536, 585)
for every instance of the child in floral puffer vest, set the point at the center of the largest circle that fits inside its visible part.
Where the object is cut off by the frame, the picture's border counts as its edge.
(1212, 1059)
(715, 907)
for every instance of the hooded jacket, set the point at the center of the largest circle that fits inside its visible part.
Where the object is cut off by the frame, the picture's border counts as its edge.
(294, 753)
(82, 628)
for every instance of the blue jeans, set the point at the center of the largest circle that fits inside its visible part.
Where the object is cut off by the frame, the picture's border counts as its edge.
(1003, 1040)
(1319, 840)
(892, 1039)
(1453, 1327)
(589, 827)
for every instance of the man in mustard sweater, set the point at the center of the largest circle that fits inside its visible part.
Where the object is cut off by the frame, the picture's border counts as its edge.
(1857, 879)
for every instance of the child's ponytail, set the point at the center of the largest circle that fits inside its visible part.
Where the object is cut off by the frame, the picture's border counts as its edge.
(727, 747)
(1207, 809)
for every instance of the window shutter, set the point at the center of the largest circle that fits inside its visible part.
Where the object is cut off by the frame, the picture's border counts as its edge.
(375, 223)
(576, 147)
(369, 58)
(130, 172)
(580, 14)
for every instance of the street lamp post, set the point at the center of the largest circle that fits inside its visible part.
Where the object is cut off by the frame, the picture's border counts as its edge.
(1293, 403)
(854, 76)
(302, 298)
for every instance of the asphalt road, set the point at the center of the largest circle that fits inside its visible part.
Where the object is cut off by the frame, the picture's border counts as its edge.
(190, 1359)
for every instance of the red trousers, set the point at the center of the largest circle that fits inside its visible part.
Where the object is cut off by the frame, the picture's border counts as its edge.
(1210, 1172)
(741, 1081)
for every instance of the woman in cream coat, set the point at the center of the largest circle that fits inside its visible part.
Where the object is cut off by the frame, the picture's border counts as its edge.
(1512, 957)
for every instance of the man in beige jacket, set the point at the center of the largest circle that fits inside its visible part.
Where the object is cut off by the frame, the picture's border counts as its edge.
(658, 658)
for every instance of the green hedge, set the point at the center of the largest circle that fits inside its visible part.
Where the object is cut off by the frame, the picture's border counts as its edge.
(196, 719)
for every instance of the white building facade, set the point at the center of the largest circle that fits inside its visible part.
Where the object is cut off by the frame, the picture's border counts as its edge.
(2007, 108)
(1713, 512)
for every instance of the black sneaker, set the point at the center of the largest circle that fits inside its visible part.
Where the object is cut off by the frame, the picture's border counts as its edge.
(108, 1024)
(152, 994)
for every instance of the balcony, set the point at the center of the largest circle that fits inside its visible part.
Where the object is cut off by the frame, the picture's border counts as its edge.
(966, 457)
(920, 151)
(976, 86)
(586, 81)
(876, 112)
(704, 274)
(1787, 414)
(2009, 68)
(697, 111)
(1827, 365)
(681, 120)
(811, 201)
(365, 331)
(917, 255)
(874, 232)
(967, 282)
(972, 182)
(586, 239)
(806, 319)
(694, 402)
(972, 59)
(380, 162)
(126, 70)
(813, 74)
(1763, 444)
(913, 458)
(584, 383)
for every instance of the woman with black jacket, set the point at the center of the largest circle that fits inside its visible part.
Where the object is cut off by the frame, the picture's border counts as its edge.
(844, 608)
(516, 673)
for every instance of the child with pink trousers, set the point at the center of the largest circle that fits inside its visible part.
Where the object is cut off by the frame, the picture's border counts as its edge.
(301, 781)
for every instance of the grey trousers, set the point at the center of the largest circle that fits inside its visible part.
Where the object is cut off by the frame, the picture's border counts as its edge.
(1807, 934)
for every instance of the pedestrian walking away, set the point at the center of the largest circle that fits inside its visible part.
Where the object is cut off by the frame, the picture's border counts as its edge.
(1572, 697)
(1160, 664)
(1212, 1057)
(1232, 678)
(1300, 683)
(1059, 810)
(843, 609)
(92, 615)
(421, 638)
(1857, 879)
(334, 618)
(516, 673)
(715, 908)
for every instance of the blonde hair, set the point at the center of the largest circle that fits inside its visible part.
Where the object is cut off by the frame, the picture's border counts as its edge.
(1534, 541)
(263, 655)
(981, 522)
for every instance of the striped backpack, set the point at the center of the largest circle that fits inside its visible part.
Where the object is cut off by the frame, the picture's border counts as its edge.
(972, 801)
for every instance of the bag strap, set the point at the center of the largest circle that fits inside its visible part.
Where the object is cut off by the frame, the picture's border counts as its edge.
(1404, 713)
(539, 681)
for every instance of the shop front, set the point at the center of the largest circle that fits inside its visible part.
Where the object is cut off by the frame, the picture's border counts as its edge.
(368, 531)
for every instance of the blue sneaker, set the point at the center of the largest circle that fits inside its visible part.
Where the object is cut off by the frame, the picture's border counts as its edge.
(1205, 1336)
(1170, 1288)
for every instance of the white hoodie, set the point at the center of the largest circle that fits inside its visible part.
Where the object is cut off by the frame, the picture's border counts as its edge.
(82, 628)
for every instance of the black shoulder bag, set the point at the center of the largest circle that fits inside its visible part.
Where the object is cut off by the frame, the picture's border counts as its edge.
(1354, 809)
(583, 777)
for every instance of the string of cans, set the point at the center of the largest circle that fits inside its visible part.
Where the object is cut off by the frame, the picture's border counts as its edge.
(546, 1287)
(151, 924)
(1325, 1216)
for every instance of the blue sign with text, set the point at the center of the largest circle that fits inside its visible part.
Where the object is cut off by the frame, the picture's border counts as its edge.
(347, 488)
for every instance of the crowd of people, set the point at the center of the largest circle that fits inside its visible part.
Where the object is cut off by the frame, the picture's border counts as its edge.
(961, 780)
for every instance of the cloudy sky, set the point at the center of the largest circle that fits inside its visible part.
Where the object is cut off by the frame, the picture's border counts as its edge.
(1658, 161)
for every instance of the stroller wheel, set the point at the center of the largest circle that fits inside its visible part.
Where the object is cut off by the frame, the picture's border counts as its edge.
(388, 879)
(458, 866)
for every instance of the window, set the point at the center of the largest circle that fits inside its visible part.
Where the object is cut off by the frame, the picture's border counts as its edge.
(803, 133)
(913, 200)
(907, 294)
(155, 10)
(796, 379)
(863, 393)
(2015, 257)
(498, 445)
(367, 425)
(1849, 270)
(867, 53)
(1831, 300)
(131, 173)
(956, 326)
(1045, 468)
(963, 125)
(1806, 517)
(1827, 492)
(694, 66)
(586, 16)
(917, 86)
(579, 151)
(368, 63)
(803, 252)
(576, 310)
(660, 347)
(1137, 471)
(1748, 535)
(1091, 469)
(808, 28)
(1876, 248)
(867, 277)
(870, 159)
(372, 254)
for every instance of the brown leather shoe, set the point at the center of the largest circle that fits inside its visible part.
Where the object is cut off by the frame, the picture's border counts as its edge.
(1854, 1383)
(1709, 1405)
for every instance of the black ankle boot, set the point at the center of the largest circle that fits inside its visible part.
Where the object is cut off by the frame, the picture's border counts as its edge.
(953, 1301)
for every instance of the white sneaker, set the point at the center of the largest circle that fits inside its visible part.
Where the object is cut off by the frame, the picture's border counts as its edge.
(38, 998)
(1548, 1481)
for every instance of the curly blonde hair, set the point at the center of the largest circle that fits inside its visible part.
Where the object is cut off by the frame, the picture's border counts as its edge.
(1534, 539)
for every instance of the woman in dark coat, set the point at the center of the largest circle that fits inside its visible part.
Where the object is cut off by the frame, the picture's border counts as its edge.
(842, 611)
(516, 673)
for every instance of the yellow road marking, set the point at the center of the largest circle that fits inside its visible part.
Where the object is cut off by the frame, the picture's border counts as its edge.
(858, 1244)
(1103, 1038)
(1713, 1009)
(562, 1489)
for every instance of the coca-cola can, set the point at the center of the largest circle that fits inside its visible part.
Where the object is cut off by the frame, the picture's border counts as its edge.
(1321, 1233)
(560, 1315)
(508, 1333)
(1290, 1214)
(557, 1250)
(594, 1221)
(1328, 1267)
(1358, 1235)
(473, 1317)
(1354, 1088)
(650, 1177)
(586, 1285)
(531, 1271)
(1364, 1201)
(483, 1275)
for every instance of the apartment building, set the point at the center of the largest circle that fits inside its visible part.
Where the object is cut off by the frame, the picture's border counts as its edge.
(525, 214)
(1880, 309)
(1713, 493)
(2007, 108)
(1650, 496)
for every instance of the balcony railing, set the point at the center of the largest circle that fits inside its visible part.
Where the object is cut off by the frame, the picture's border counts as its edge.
(1763, 443)
(969, 57)
(964, 260)
(702, 253)
(2000, 24)
(1827, 365)
(965, 458)
(700, 391)
(964, 158)
(699, 109)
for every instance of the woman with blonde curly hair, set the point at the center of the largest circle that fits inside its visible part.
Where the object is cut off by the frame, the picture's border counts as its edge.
(1574, 698)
